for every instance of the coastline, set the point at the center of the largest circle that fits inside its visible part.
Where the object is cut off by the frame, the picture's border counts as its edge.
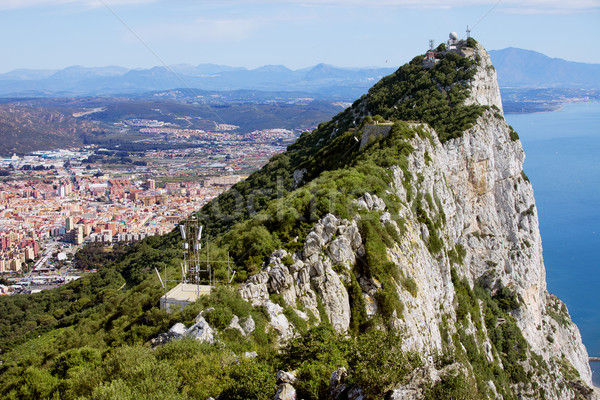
(544, 107)
(560, 146)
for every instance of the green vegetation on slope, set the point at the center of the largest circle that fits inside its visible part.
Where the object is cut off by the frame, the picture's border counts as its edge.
(434, 96)
(97, 343)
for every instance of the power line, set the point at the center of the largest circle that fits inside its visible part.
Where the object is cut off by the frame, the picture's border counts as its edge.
(167, 67)
(485, 15)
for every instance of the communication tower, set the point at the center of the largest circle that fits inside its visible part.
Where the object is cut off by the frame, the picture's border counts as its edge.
(191, 267)
(197, 275)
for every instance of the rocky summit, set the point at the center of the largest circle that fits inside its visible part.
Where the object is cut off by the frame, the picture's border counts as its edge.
(471, 194)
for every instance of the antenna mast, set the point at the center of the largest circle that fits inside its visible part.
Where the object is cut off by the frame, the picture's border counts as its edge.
(191, 233)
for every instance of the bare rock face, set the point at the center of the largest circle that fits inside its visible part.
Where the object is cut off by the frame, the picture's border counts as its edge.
(331, 243)
(478, 185)
(486, 219)
(200, 331)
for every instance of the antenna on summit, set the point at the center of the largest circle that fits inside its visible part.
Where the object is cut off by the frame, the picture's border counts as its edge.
(468, 32)
(431, 44)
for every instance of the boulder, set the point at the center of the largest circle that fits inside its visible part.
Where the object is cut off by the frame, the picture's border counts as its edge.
(286, 377)
(285, 391)
(201, 331)
(336, 382)
(278, 320)
(177, 330)
(248, 325)
(235, 324)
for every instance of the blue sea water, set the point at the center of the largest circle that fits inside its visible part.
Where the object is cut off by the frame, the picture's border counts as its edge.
(563, 163)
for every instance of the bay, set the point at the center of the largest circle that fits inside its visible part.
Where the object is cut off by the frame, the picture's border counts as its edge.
(563, 163)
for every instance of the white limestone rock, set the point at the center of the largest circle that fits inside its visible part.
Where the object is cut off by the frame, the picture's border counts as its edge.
(286, 377)
(201, 331)
(285, 391)
(248, 325)
(278, 320)
(235, 325)
(178, 329)
(477, 190)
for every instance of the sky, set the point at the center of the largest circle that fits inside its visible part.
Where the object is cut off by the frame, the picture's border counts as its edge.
(54, 34)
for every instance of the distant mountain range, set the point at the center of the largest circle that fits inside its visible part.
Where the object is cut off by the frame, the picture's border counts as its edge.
(517, 68)
(322, 80)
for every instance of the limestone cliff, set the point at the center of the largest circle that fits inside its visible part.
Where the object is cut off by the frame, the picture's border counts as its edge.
(464, 220)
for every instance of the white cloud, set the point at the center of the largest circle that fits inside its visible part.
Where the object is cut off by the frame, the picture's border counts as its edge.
(550, 6)
(541, 5)
(16, 4)
(512, 6)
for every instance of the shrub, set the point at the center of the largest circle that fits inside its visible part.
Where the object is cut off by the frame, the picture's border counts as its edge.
(250, 380)
(377, 362)
(410, 285)
(451, 387)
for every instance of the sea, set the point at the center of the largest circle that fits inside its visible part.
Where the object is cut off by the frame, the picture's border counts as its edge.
(562, 150)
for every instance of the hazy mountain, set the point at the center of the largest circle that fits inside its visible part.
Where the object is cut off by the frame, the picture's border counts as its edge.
(519, 67)
(202, 69)
(338, 83)
(27, 74)
(515, 67)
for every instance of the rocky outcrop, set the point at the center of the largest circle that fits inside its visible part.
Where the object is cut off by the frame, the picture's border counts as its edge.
(310, 280)
(470, 196)
(200, 331)
(285, 388)
(476, 185)
(245, 327)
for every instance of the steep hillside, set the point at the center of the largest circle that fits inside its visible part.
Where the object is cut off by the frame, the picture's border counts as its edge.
(25, 129)
(393, 253)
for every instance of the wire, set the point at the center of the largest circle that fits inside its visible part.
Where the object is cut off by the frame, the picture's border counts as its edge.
(167, 67)
(486, 14)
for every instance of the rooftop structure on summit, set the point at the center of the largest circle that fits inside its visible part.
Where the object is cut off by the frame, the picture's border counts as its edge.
(452, 41)
(452, 44)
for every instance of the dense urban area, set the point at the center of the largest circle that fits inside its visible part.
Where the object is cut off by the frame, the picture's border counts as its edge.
(52, 203)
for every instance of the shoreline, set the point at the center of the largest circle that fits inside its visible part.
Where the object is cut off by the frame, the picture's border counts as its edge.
(551, 107)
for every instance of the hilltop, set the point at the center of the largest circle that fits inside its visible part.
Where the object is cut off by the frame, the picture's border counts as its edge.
(394, 252)
(26, 129)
